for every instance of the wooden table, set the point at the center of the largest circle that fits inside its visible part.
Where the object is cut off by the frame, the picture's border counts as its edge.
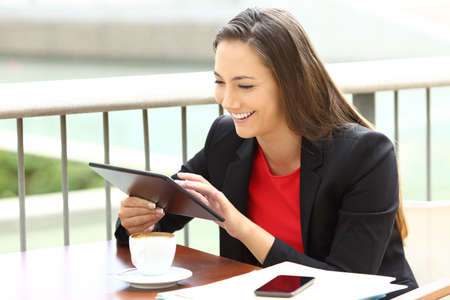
(86, 272)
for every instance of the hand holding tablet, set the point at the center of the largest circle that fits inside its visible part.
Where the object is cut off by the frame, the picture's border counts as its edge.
(158, 188)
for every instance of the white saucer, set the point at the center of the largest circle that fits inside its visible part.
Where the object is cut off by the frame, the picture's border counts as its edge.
(140, 281)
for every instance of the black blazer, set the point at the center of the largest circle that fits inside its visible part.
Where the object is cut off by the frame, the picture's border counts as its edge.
(348, 200)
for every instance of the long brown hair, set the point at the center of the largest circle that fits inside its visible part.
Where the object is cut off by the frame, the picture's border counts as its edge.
(313, 104)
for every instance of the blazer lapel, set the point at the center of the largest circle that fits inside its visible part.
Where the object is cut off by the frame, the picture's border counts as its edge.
(235, 188)
(311, 158)
(238, 173)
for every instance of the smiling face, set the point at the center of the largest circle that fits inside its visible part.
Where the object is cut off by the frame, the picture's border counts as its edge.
(246, 88)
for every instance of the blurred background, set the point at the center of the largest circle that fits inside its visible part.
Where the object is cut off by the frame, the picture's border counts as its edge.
(43, 40)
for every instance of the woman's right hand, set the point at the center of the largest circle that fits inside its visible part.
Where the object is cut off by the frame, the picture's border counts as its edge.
(139, 215)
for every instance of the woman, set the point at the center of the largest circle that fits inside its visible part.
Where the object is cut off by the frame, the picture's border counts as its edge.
(296, 172)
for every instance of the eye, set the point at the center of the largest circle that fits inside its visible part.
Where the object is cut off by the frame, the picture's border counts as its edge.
(218, 82)
(243, 86)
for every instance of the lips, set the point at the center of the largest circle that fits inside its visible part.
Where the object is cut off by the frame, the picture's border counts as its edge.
(242, 116)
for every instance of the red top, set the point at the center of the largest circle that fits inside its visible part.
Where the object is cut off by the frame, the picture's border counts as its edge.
(274, 202)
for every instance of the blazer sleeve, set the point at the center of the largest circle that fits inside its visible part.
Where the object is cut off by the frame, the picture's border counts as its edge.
(367, 212)
(171, 222)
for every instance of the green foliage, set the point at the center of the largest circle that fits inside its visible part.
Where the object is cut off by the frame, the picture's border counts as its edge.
(8, 175)
(43, 175)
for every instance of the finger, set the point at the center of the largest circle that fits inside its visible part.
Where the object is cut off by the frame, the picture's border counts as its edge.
(191, 176)
(205, 189)
(137, 202)
(180, 182)
(188, 185)
(137, 229)
(136, 221)
(128, 212)
(184, 183)
(199, 196)
(149, 229)
(140, 220)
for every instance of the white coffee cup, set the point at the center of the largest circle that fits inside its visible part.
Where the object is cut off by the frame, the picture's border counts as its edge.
(152, 253)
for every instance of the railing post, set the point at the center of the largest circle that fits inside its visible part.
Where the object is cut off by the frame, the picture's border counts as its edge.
(64, 179)
(107, 185)
(396, 124)
(21, 182)
(184, 152)
(365, 103)
(428, 145)
(146, 139)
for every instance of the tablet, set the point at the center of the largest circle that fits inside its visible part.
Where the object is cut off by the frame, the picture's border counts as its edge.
(158, 188)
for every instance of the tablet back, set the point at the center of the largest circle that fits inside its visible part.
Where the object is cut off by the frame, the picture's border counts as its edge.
(157, 188)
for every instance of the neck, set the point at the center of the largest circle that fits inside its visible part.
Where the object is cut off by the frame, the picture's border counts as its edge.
(282, 152)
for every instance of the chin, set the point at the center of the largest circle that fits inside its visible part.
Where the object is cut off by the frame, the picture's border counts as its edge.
(245, 134)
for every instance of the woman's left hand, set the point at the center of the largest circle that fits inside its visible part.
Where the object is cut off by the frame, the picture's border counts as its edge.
(208, 194)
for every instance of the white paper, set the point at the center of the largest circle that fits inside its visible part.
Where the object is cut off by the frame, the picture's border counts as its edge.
(327, 285)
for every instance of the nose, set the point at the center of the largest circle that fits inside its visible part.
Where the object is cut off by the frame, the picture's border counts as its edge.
(228, 99)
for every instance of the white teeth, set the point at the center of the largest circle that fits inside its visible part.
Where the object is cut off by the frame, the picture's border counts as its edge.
(242, 116)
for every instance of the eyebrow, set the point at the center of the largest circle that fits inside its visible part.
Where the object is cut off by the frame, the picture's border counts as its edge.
(236, 77)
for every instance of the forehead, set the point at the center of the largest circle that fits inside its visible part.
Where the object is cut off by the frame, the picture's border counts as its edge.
(235, 57)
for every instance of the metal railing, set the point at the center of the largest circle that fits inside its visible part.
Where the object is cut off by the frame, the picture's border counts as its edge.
(22, 100)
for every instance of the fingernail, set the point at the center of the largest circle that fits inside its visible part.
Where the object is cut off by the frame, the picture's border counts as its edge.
(151, 205)
(160, 211)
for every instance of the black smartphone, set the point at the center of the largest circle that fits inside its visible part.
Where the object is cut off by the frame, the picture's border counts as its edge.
(284, 286)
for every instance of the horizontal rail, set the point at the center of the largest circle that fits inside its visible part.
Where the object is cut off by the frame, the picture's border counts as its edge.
(45, 98)
(64, 97)
(395, 74)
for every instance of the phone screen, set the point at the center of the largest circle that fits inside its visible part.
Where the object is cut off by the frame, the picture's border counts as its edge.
(284, 286)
